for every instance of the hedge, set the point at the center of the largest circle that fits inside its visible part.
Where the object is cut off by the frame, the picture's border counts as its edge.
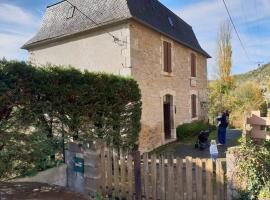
(192, 129)
(62, 102)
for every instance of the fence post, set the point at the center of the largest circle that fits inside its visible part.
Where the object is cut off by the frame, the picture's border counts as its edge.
(137, 174)
(92, 168)
(75, 180)
(232, 182)
(209, 183)
(189, 178)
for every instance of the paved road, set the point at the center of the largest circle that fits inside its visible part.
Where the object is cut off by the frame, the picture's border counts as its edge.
(36, 191)
(183, 150)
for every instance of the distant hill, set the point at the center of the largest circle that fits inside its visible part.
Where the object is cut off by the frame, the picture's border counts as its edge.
(260, 75)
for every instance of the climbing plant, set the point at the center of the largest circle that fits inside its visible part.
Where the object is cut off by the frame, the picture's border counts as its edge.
(56, 104)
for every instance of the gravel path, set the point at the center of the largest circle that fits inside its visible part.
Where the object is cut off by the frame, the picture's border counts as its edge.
(183, 150)
(36, 191)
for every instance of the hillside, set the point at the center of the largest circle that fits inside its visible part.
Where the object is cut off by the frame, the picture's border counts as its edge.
(260, 75)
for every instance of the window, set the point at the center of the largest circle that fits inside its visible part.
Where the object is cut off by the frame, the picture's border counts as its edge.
(170, 21)
(70, 12)
(193, 65)
(167, 52)
(193, 105)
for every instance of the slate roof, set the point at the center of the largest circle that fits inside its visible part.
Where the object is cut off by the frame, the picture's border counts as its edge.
(151, 13)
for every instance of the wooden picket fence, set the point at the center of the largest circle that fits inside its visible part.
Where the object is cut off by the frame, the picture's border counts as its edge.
(163, 178)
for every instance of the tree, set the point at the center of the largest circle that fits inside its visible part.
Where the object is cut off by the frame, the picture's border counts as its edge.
(224, 55)
(219, 89)
(245, 98)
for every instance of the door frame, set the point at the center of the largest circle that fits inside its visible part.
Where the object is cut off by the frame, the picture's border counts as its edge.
(173, 129)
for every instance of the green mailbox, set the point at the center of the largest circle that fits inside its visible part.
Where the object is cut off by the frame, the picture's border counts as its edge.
(78, 165)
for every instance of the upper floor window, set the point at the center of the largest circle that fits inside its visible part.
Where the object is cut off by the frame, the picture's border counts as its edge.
(193, 106)
(167, 56)
(193, 65)
(71, 11)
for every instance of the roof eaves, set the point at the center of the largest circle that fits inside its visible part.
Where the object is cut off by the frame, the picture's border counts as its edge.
(27, 46)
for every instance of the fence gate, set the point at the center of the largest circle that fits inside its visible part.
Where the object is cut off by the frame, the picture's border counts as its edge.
(161, 178)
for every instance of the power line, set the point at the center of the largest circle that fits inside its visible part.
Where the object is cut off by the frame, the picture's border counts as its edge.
(234, 27)
(115, 38)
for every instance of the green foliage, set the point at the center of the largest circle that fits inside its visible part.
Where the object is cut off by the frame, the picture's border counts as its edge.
(264, 109)
(192, 129)
(27, 154)
(100, 197)
(253, 161)
(57, 103)
(239, 101)
(265, 191)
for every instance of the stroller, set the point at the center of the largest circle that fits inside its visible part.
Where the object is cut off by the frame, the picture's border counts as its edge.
(203, 141)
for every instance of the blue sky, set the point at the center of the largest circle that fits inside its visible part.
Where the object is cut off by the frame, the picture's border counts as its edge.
(20, 19)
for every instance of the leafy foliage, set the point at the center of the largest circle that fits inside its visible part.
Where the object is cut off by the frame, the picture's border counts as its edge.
(253, 161)
(225, 53)
(41, 107)
(187, 130)
(239, 100)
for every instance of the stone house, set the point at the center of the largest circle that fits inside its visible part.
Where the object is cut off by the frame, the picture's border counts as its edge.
(138, 38)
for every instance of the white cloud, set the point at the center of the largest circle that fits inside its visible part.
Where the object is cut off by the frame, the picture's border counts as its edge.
(10, 46)
(206, 16)
(13, 14)
(16, 27)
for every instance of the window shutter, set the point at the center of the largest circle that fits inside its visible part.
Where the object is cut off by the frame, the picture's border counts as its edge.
(165, 52)
(169, 57)
(193, 65)
(194, 105)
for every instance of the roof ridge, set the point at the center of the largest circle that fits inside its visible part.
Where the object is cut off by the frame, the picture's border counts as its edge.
(152, 13)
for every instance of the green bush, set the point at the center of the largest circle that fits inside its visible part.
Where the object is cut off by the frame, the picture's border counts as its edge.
(264, 109)
(253, 164)
(40, 107)
(265, 192)
(188, 130)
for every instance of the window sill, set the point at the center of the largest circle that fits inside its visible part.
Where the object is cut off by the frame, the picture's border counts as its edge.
(194, 118)
(167, 74)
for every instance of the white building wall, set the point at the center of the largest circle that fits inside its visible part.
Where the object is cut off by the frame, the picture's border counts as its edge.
(96, 51)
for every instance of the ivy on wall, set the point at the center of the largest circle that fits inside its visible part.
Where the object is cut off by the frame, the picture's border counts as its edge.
(62, 102)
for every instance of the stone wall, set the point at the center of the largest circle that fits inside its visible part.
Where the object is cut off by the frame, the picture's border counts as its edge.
(147, 69)
(54, 176)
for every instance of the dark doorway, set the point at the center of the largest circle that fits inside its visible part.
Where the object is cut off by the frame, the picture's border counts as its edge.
(168, 116)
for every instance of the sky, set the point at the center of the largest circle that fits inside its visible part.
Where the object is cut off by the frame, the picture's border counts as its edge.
(21, 19)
